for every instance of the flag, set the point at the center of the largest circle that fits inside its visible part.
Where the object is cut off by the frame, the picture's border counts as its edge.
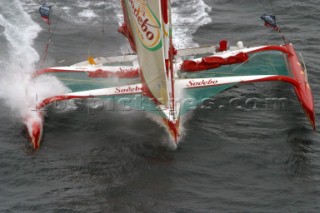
(270, 21)
(45, 13)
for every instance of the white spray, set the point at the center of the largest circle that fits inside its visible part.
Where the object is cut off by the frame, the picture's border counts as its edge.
(187, 17)
(17, 88)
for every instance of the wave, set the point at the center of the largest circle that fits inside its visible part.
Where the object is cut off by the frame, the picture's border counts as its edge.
(17, 88)
(187, 17)
(18, 32)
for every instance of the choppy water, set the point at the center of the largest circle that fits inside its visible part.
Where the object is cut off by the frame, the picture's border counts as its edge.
(231, 160)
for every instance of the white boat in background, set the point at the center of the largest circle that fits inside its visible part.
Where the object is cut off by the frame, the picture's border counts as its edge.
(166, 76)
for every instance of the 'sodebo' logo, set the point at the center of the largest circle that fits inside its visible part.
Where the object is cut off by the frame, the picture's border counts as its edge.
(202, 83)
(146, 24)
(128, 90)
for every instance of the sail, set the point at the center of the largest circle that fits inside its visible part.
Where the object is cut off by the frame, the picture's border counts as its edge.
(145, 20)
(166, 26)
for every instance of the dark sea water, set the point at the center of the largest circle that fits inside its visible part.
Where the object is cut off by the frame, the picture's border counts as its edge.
(230, 160)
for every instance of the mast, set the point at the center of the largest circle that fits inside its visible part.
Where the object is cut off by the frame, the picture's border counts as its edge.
(171, 57)
(151, 30)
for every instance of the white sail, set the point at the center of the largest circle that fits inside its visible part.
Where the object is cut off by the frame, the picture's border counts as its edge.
(145, 19)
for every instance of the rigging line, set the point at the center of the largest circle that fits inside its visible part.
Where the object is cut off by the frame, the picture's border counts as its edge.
(102, 29)
(45, 53)
(285, 40)
(272, 8)
(93, 41)
(55, 26)
(263, 6)
(103, 16)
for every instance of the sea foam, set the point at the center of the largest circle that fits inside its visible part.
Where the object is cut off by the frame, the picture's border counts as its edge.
(18, 90)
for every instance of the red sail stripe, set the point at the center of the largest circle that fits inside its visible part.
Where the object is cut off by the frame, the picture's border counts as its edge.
(164, 9)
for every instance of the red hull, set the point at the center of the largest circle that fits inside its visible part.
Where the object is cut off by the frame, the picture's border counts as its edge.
(303, 90)
(34, 124)
(300, 83)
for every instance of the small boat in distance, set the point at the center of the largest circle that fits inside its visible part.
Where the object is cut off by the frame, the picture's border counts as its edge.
(165, 76)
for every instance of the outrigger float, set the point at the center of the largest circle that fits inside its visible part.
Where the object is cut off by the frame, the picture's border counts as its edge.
(166, 76)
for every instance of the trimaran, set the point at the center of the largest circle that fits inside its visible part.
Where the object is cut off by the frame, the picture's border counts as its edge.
(164, 76)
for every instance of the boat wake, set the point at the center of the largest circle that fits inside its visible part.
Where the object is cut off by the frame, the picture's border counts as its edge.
(21, 92)
(18, 90)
